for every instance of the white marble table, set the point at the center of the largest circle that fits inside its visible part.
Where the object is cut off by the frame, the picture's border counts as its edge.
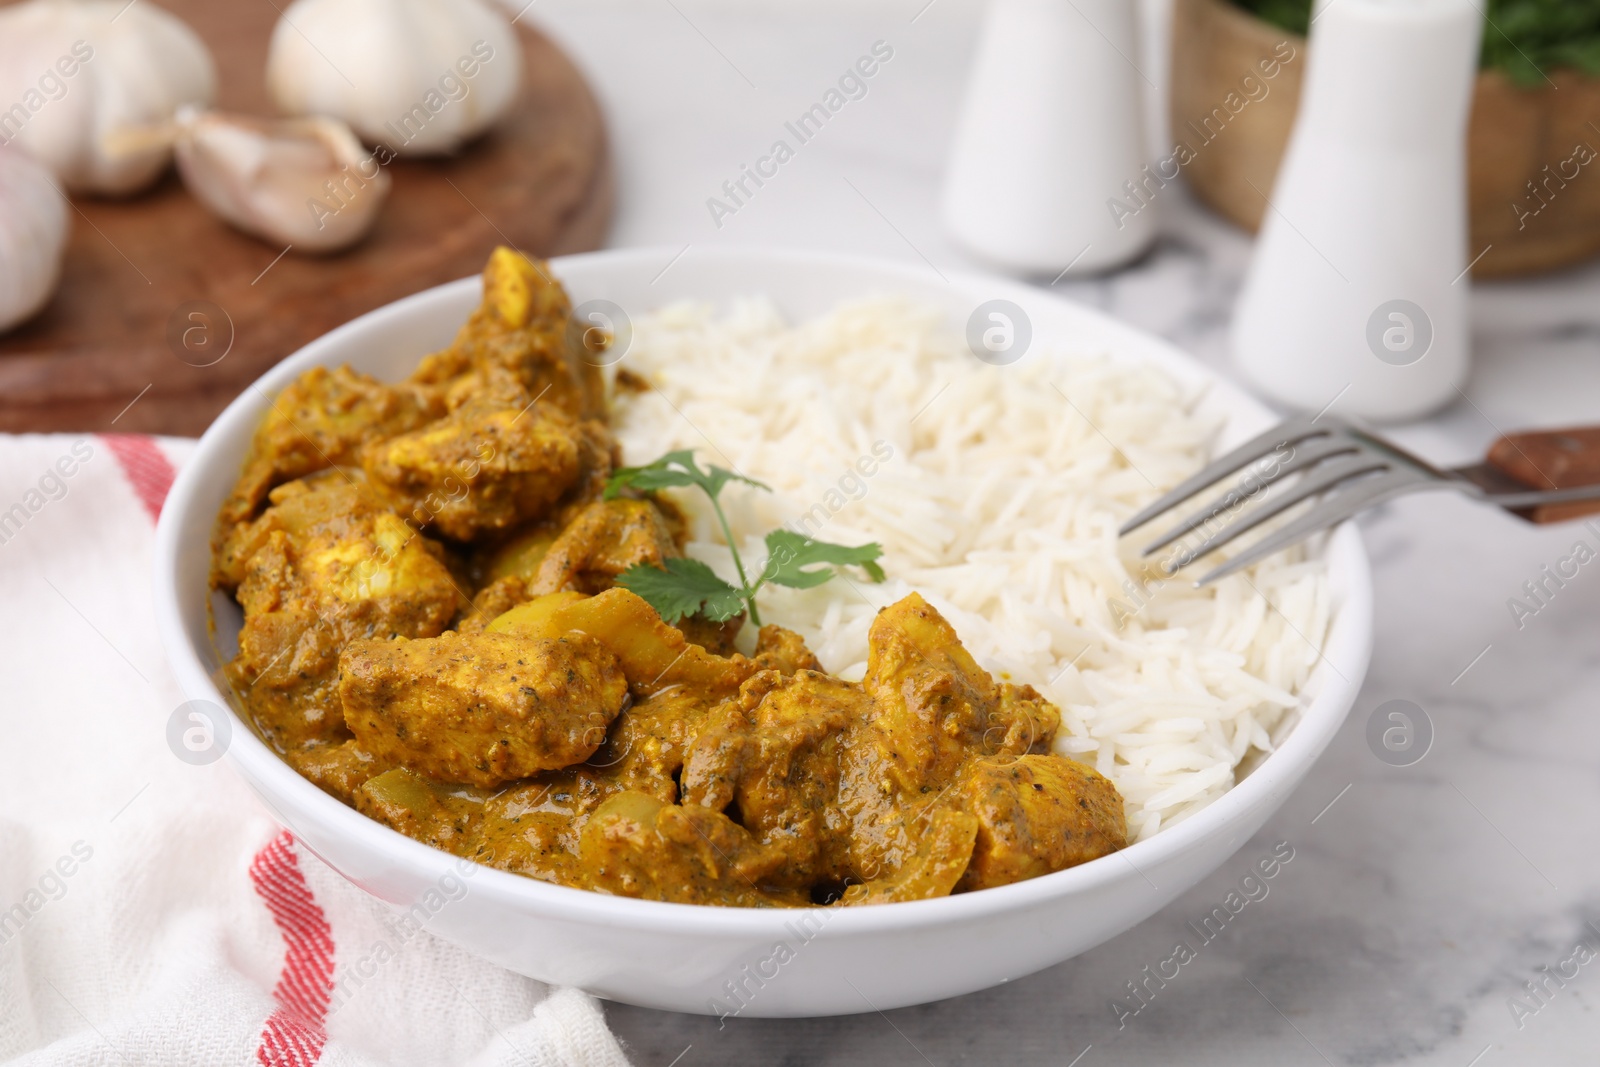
(1424, 898)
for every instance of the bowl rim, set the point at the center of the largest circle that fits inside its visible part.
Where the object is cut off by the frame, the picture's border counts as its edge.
(1349, 637)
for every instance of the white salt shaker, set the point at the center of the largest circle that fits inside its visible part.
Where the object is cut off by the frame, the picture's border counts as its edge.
(1358, 289)
(1050, 140)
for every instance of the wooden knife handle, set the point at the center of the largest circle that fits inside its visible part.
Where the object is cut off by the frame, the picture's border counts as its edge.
(1552, 459)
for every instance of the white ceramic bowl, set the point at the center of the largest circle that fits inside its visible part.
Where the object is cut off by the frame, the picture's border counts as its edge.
(687, 957)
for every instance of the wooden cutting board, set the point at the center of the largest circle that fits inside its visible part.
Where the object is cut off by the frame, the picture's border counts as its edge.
(123, 324)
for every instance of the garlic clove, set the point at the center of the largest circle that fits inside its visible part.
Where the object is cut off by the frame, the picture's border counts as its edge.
(302, 182)
(421, 77)
(34, 226)
(73, 72)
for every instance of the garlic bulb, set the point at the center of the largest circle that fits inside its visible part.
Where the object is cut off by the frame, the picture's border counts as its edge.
(420, 77)
(74, 71)
(33, 234)
(303, 182)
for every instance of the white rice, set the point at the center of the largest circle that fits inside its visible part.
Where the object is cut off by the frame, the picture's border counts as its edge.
(999, 503)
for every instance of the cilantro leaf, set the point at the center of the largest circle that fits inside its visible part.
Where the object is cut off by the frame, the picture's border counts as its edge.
(789, 553)
(673, 470)
(721, 476)
(684, 587)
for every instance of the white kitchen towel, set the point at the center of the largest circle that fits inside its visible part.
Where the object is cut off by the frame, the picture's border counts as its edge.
(151, 912)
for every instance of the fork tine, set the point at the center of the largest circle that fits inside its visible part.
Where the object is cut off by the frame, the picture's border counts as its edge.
(1319, 481)
(1285, 433)
(1309, 456)
(1337, 508)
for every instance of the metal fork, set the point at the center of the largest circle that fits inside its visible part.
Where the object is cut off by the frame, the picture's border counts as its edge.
(1541, 476)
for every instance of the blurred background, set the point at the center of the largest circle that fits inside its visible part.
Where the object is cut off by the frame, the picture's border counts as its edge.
(637, 119)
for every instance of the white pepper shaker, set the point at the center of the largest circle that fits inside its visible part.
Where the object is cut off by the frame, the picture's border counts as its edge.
(1050, 140)
(1358, 288)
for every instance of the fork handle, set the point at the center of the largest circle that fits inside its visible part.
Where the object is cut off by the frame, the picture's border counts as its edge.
(1552, 459)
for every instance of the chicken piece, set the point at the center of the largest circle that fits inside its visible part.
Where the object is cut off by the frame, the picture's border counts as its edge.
(517, 296)
(337, 769)
(606, 538)
(446, 817)
(321, 420)
(937, 707)
(647, 746)
(598, 455)
(519, 555)
(504, 572)
(943, 841)
(636, 846)
(486, 467)
(532, 828)
(522, 334)
(483, 709)
(770, 759)
(783, 651)
(546, 360)
(521, 292)
(654, 656)
(1037, 814)
(491, 602)
(717, 638)
(324, 565)
(934, 710)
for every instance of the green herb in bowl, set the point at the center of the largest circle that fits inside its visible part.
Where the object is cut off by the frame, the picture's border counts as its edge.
(685, 587)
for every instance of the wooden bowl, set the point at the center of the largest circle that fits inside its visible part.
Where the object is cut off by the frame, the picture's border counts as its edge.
(1532, 200)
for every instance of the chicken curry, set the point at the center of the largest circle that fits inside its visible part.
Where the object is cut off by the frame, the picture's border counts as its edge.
(434, 632)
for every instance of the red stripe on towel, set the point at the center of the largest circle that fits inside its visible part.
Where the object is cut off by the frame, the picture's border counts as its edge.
(146, 467)
(296, 1031)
